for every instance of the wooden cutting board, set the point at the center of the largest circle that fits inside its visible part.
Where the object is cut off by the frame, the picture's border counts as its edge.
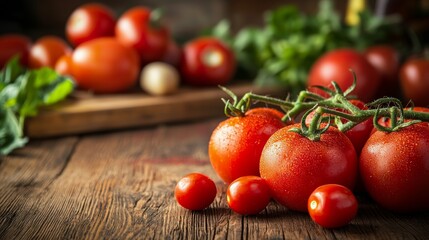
(95, 113)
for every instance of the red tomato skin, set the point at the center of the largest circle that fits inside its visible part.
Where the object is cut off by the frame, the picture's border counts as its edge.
(102, 71)
(195, 191)
(236, 143)
(90, 21)
(335, 66)
(332, 206)
(14, 44)
(414, 77)
(207, 61)
(395, 168)
(271, 112)
(134, 29)
(385, 59)
(248, 195)
(293, 166)
(46, 51)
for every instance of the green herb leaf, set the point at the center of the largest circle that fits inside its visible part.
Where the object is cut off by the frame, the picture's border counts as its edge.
(22, 93)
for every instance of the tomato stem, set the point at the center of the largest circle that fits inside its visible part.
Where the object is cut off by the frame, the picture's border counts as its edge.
(338, 107)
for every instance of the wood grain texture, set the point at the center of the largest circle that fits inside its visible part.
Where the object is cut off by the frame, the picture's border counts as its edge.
(119, 111)
(119, 185)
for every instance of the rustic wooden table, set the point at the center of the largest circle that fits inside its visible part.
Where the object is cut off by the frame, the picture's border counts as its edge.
(119, 185)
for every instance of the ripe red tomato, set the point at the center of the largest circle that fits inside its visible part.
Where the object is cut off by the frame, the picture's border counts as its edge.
(136, 28)
(385, 59)
(195, 191)
(207, 61)
(104, 65)
(293, 166)
(235, 145)
(332, 205)
(395, 168)
(336, 65)
(46, 51)
(414, 76)
(90, 21)
(248, 195)
(14, 44)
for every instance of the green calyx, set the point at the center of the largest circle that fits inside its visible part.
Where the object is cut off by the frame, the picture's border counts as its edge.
(315, 129)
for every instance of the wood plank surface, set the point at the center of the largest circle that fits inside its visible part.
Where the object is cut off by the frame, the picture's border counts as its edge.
(118, 111)
(119, 185)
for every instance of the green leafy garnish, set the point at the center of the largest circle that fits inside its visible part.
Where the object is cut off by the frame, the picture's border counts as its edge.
(284, 49)
(22, 92)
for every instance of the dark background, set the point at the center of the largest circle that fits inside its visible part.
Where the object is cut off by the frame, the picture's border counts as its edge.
(186, 18)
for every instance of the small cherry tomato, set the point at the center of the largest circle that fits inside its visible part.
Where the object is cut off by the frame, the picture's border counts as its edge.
(90, 21)
(236, 144)
(332, 205)
(14, 44)
(46, 51)
(414, 76)
(248, 195)
(141, 29)
(104, 65)
(195, 191)
(207, 61)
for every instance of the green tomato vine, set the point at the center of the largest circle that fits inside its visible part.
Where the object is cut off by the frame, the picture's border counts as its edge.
(336, 108)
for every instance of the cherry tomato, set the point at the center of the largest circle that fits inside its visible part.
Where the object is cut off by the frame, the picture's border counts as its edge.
(46, 51)
(293, 165)
(385, 59)
(335, 66)
(14, 44)
(248, 195)
(395, 168)
(63, 65)
(90, 21)
(195, 191)
(414, 76)
(207, 61)
(332, 206)
(138, 28)
(235, 145)
(104, 65)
